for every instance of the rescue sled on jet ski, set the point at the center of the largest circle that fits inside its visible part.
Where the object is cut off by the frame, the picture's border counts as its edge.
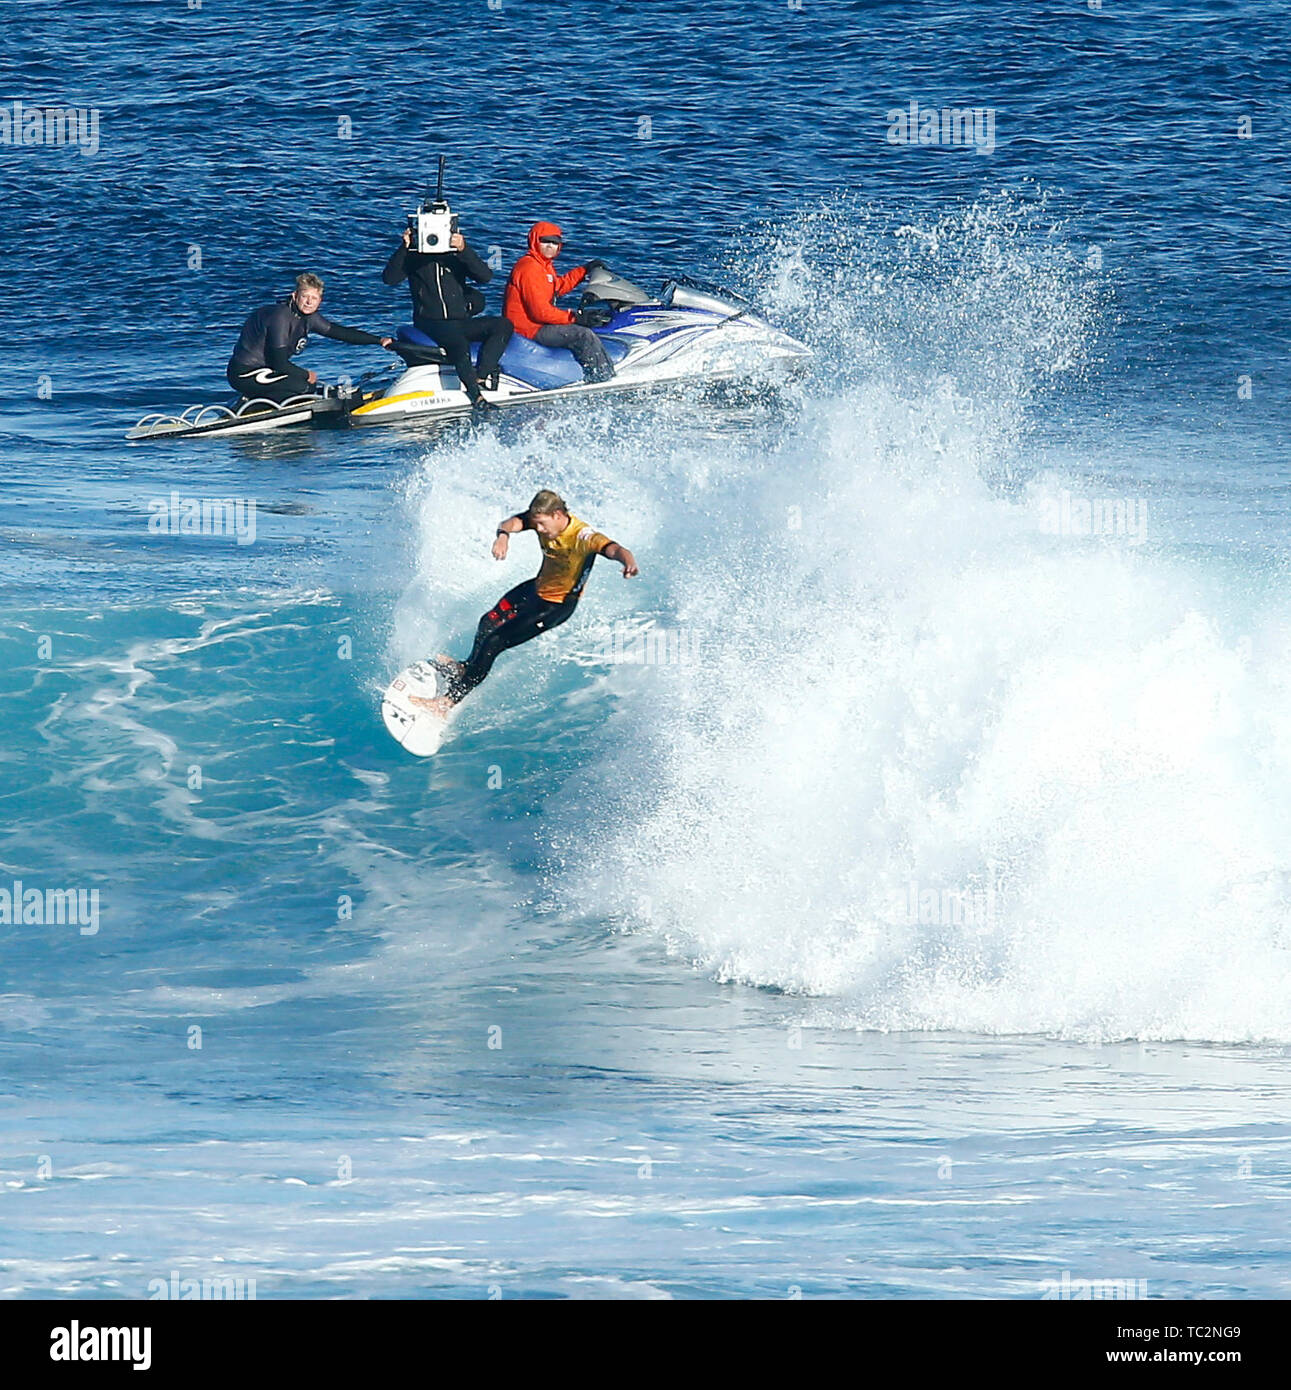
(250, 416)
(690, 332)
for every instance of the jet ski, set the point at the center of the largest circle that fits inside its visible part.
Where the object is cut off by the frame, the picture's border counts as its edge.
(689, 332)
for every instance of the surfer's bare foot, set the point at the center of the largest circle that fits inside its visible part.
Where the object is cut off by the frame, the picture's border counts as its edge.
(440, 704)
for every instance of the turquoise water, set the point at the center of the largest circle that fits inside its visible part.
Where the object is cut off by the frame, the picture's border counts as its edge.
(620, 995)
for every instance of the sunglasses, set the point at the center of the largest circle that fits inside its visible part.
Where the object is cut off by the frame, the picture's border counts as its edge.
(551, 241)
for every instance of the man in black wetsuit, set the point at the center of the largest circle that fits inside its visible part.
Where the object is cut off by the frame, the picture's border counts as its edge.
(447, 310)
(261, 367)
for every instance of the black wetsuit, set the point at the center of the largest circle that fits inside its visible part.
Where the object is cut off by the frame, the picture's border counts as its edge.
(261, 367)
(520, 615)
(444, 307)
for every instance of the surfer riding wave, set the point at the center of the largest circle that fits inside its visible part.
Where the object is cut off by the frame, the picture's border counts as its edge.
(569, 548)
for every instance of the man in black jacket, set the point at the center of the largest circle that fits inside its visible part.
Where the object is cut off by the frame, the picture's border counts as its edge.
(444, 307)
(261, 367)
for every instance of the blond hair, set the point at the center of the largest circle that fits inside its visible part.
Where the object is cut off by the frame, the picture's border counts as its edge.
(546, 502)
(309, 281)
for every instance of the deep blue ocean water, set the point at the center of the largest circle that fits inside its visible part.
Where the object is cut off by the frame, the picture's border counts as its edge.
(619, 995)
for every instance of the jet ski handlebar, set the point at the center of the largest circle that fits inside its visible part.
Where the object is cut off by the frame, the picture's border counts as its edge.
(602, 285)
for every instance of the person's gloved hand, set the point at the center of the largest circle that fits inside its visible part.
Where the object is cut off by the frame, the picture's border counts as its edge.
(594, 265)
(595, 316)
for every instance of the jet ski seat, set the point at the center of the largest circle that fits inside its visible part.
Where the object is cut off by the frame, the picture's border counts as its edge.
(528, 361)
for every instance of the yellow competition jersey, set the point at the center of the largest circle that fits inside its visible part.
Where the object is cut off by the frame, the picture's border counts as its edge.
(566, 559)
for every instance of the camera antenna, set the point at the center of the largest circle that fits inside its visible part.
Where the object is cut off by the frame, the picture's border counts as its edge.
(439, 186)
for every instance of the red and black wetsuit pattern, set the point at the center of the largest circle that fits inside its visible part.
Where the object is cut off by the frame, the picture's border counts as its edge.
(520, 615)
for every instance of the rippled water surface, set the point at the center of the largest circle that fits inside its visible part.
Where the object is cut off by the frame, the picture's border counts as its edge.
(923, 934)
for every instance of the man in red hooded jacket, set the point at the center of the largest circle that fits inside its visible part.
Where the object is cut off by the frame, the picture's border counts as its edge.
(530, 303)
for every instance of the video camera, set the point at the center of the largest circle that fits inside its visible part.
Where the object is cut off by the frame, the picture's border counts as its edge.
(432, 225)
(434, 222)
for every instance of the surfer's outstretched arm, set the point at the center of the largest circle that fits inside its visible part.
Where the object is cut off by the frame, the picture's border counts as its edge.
(615, 551)
(507, 529)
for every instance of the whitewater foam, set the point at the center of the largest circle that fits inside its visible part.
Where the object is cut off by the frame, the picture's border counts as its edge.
(906, 678)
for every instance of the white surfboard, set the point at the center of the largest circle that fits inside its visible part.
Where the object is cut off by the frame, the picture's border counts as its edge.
(418, 729)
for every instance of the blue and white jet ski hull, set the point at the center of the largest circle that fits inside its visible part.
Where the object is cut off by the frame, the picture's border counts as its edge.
(649, 344)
